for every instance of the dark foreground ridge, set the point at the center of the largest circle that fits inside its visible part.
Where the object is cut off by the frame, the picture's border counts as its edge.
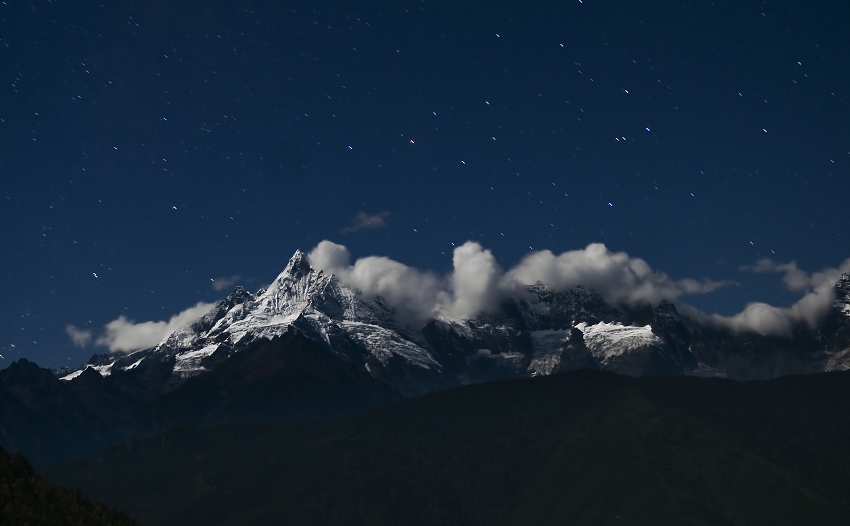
(585, 447)
(29, 499)
(278, 381)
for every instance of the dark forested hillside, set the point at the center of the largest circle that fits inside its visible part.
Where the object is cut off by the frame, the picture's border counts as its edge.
(27, 499)
(578, 448)
(42, 418)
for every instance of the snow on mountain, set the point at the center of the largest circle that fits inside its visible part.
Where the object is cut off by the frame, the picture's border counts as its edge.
(296, 291)
(104, 370)
(383, 344)
(189, 362)
(527, 340)
(300, 299)
(105, 363)
(607, 340)
(529, 336)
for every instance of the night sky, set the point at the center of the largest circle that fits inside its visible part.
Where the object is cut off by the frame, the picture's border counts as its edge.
(149, 148)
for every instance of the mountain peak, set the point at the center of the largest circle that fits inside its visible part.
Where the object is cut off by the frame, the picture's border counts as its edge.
(299, 265)
(21, 367)
(24, 372)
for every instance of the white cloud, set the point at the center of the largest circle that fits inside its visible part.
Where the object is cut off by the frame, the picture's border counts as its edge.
(412, 292)
(225, 283)
(819, 293)
(123, 335)
(794, 278)
(80, 337)
(363, 221)
(330, 257)
(477, 283)
(619, 277)
(692, 286)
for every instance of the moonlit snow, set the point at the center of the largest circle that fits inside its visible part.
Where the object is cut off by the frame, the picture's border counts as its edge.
(606, 340)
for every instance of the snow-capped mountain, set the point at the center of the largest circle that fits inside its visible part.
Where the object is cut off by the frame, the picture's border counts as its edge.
(300, 300)
(309, 347)
(544, 333)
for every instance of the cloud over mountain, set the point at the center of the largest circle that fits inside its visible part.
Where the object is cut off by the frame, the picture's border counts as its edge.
(414, 293)
(767, 320)
(619, 277)
(123, 335)
(478, 284)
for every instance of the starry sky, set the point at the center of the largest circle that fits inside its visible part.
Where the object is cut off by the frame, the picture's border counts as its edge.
(154, 154)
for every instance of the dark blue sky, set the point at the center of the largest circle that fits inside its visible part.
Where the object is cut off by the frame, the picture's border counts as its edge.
(156, 145)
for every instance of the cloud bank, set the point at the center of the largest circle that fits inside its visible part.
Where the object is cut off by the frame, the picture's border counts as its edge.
(618, 277)
(477, 283)
(412, 292)
(123, 335)
(818, 289)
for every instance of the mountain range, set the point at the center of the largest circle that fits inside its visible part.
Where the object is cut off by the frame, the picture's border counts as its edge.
(543, 332)
(310, 348)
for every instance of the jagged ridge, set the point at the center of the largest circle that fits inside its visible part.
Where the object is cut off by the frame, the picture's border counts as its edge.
(528, 337)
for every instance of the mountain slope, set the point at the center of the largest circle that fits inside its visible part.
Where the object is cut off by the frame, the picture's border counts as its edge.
(579, 448)
(41, 417)
(287, 379)
(32, 500)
